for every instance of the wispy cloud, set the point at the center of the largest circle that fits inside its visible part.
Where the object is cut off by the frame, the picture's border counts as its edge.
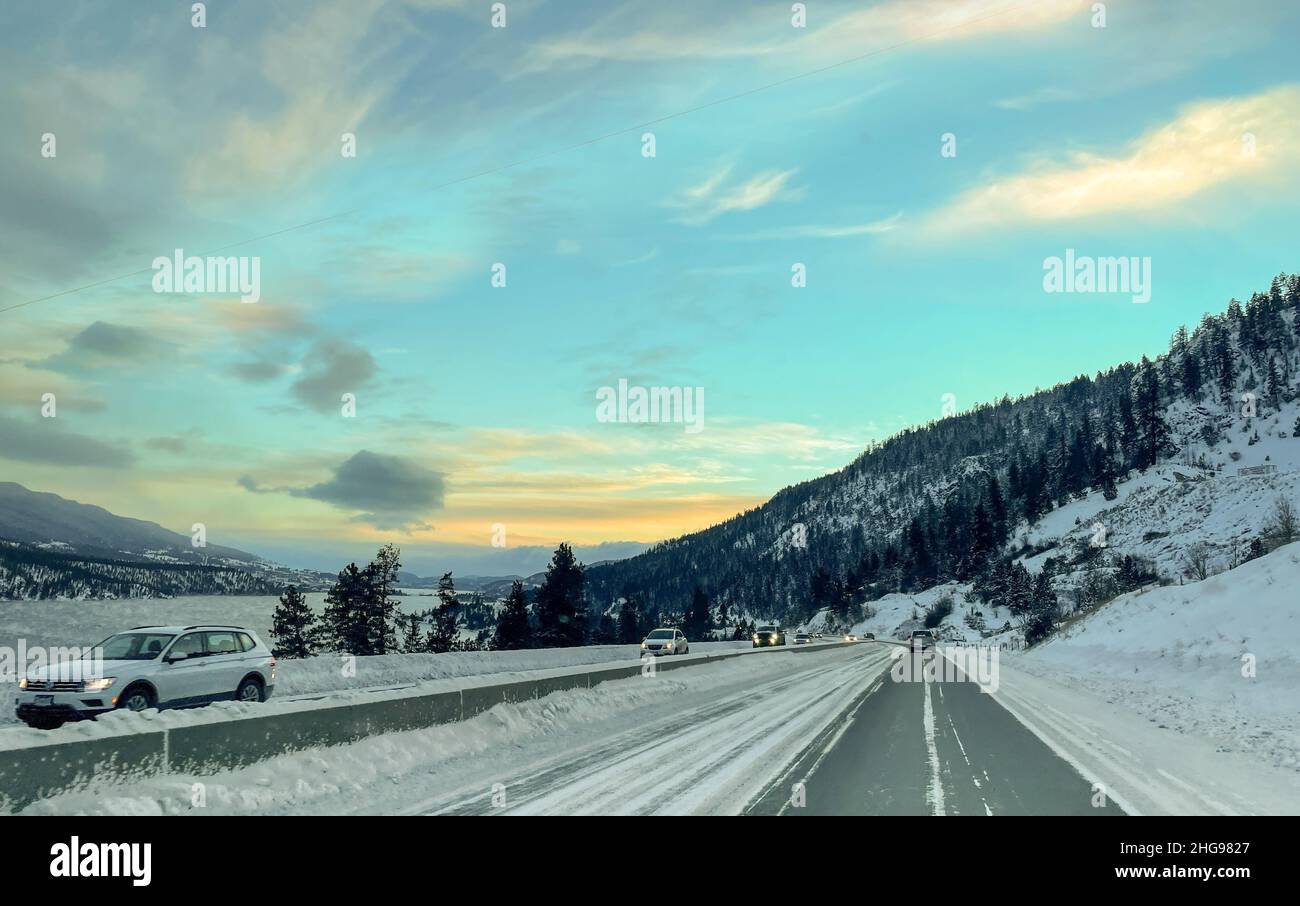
(824, 231)
(716, 195)
(1206, 145)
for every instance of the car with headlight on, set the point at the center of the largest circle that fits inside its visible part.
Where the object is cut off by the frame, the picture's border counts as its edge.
(149, 667)
(665, 641)
(802, 638)
(769, 635)
(850, 637)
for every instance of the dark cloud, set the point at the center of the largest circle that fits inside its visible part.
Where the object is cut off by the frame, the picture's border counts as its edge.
(103, 343)
(388, 492)
(330, 369)
(46, 441)
(257, 372)
(169, 444)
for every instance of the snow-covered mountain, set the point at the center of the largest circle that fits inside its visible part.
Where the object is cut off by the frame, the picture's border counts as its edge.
(48, 520)
(54, 547)
(1158, 461)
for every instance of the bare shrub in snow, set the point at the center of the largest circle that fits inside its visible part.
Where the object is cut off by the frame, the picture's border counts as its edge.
(1196, 562)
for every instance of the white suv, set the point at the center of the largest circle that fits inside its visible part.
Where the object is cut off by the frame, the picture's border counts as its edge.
(150, 667)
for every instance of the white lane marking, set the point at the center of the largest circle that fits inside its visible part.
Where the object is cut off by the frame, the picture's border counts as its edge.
(834, 740)
(933, 792)
(958, 738)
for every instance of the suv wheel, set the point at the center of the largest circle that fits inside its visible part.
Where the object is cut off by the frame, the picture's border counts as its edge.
(136, 698)
(250, 690)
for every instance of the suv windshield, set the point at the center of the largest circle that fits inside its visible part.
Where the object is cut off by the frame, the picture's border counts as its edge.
(765, 629)
(661, 634)
(134, 646)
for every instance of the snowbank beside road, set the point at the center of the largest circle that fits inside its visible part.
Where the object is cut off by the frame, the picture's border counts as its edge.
(1144, 768)
(66, 623)
(1217, 659)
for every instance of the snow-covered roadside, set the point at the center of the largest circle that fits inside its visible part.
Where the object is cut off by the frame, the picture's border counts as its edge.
(1217, 659)
(1143, 768)
(327, 674)
(397, 771)
(68, 623)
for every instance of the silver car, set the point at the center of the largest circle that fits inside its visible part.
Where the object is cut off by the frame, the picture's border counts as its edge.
(665, 641)
(150, 667)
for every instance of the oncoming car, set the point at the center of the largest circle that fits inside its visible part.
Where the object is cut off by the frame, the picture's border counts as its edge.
(666, 641)
(768, 635)
(921, 639)
(803, 638)
(850, 638)
(150, 667)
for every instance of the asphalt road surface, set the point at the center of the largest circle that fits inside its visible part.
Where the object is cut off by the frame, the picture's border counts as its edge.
(930, 748)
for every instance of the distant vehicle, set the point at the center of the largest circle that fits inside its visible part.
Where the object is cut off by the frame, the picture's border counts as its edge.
(665, 641)
(150, 667)
(921, 639)
(768, 636)
(817, 635)
(868, 636)
(850, 638)
(803, 638)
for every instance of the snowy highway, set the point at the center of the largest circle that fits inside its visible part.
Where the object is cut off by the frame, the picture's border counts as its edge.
(795, 732)
(837, 737)
(714, 757)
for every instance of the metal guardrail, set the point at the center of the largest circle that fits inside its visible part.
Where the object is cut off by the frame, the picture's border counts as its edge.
(32, 772)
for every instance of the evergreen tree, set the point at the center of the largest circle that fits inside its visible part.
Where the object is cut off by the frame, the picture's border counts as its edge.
(628, 628)
(606, 632)
(698, 620)
(412, 642)
(381, 603)
(444, 636)
(1152, 432)
(512, 630)
(346, 625)
(293, 625)
(561, 605)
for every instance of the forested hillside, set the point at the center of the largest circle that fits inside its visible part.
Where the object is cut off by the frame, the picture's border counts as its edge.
(941, 502)
(30, 572)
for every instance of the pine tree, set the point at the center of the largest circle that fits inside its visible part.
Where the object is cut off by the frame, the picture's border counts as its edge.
(561, 604)
(444, 636)
(698, 621)
(1153, 433)
(293, 625)
(606, 631)
(346, 626)
(413, 641)
(512, 632)
(381, 604)
(628, 626)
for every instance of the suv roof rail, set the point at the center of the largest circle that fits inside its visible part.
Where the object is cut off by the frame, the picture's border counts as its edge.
(146, 626)
(214, 626)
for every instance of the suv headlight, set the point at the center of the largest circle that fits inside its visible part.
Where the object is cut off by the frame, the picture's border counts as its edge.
(99, 685)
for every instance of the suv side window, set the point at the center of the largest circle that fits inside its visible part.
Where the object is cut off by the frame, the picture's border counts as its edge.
(246, 642)
(221, 643)
(191, 644)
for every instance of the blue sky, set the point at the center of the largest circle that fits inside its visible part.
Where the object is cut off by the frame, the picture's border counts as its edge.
(523, 145)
